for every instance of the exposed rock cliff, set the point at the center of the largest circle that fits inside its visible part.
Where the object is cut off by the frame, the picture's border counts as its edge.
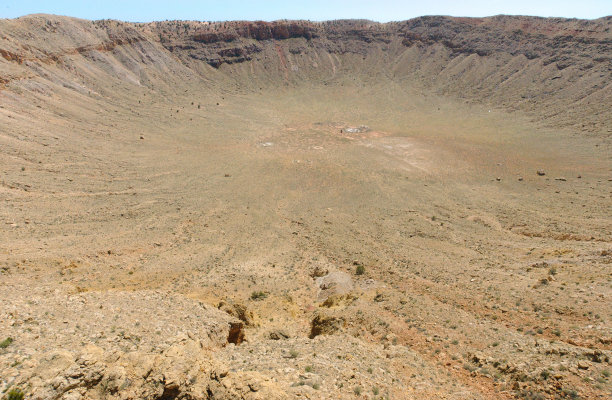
(558, 69)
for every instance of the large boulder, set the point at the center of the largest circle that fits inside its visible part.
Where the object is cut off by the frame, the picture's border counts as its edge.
(334, 284)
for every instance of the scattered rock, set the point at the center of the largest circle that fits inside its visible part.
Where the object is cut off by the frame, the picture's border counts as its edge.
(319, 271)
(541, 173)
(583, 365)
(359, 129)
(278, 334)
(337, 300)
(597, 355)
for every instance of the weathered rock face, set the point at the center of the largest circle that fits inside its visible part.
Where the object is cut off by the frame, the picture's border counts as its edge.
(183, 370)
(467, 57)
(162, 348)
(228, 42)
(324, 324)
(544, 64)
(238, 310)
(559, 41)
(236, 333)
(258, 30)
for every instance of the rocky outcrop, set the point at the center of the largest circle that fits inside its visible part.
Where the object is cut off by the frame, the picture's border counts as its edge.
(183, 370)
(335, 289)
(236, 333)
(325, 324)
(258, 30)
(557, 69)
(556, 40)
(238, 310)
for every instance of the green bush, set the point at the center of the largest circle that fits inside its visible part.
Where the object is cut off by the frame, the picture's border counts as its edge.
(6, 342)
(360, 270)
(258, 295)
(14, 394)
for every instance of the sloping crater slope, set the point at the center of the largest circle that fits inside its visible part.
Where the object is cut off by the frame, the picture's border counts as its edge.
(557, 69)
(335, 210)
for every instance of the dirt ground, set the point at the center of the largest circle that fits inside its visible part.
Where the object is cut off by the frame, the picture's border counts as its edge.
(477, 242)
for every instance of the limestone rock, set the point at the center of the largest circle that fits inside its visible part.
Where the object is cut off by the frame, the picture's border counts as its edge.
(334, 284)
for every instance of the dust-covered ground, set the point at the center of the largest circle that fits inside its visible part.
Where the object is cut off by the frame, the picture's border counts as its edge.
(351, 237)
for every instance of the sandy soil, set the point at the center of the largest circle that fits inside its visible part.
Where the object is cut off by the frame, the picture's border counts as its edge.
(130, 211)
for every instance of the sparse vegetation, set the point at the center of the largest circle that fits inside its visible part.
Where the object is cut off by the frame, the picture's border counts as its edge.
(6, 343)
(14, 394)
(258, 295)
(571, 394)
(529, 394)
(251, 221)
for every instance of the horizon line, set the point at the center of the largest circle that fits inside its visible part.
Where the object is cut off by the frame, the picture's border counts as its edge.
(306, 20)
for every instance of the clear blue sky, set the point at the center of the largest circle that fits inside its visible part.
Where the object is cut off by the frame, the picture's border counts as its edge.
(316, 10)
